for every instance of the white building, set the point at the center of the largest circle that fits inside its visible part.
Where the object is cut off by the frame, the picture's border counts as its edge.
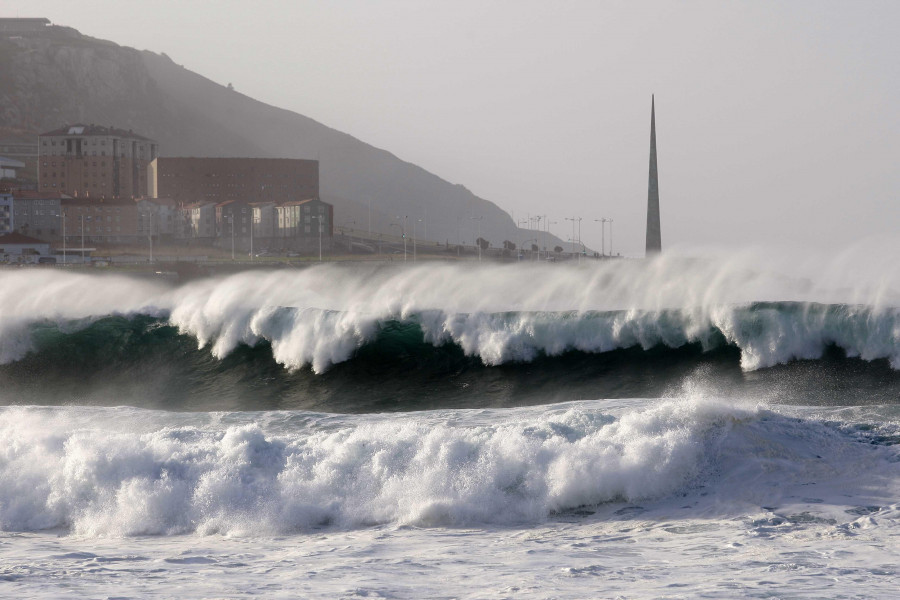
(161, 217)
(8, 167)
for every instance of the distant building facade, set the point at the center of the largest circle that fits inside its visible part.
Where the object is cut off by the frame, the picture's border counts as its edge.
(160, 217)
(17, 244)
(38, 215)
(90, 161)
(24, 149)
(304, 218)
(9, 166)
(7, 215)
(107, 221)
(249, 180)
(199, 221)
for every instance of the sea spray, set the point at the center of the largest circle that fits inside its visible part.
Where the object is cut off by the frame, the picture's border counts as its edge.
(119, 475)
(324, 315)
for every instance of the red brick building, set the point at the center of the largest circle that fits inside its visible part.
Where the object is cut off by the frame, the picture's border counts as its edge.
(107, 221)
(244, 180)
(90, 161)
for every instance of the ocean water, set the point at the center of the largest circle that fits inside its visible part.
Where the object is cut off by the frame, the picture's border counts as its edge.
(716, 426)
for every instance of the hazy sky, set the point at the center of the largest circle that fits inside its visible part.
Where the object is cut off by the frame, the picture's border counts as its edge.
(777, 122)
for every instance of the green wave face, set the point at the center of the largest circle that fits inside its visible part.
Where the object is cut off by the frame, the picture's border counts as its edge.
(405, 364)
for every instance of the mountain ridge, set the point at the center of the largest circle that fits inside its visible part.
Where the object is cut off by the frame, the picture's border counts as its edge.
(60, 76)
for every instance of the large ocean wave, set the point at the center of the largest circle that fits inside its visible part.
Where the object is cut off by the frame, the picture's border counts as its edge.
(101, 472)
(319, 317)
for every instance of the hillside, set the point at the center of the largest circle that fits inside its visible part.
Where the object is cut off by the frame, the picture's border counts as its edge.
(59, 76)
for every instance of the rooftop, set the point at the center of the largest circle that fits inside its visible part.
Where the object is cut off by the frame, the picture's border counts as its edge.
(88, 201)
(95, 130)
(10, 163)
(18, 238)
(36, 195)
(298, 202)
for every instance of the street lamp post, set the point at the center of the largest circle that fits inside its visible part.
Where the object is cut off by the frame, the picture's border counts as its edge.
(151, 236)
(63, 214)
(572, 239)
(610, 237)
(548, 223)
(579, 240)
(520, 222)
(403, 228)
(602, 222)
(400, 227)
(414, 237)
(478, 241)
(82, 240)
(318, 219)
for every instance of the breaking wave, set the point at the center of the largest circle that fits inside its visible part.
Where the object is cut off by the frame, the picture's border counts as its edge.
(132, 472)
(323, 316)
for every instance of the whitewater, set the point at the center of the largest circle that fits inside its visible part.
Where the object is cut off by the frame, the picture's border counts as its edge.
(704, 426)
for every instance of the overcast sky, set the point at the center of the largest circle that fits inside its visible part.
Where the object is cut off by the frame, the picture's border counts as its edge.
(777, 122)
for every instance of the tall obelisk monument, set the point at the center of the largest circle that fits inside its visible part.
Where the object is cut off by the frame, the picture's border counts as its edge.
(654, 239)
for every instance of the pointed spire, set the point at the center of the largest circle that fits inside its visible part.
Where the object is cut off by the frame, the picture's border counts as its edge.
(654, 238)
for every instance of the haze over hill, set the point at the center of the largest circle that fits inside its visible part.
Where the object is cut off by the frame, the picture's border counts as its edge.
(60, 76)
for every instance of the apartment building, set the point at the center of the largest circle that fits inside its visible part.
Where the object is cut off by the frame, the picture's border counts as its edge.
(247, 180)
(160, 217)
(106, 221)
(38, 215)
(91, 161)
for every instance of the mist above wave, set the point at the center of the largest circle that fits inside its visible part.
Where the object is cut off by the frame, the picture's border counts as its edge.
(322, 315)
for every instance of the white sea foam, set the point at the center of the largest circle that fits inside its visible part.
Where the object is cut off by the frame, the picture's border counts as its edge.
(103, 472)
(320, 316)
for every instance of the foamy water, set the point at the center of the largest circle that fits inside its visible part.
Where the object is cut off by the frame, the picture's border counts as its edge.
(692, 496)
(698, 494)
